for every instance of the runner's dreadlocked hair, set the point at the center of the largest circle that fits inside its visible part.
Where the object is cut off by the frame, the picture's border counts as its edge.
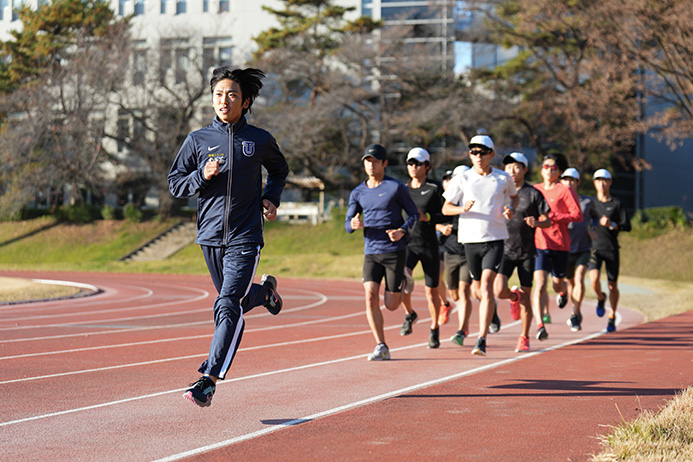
(249, 79)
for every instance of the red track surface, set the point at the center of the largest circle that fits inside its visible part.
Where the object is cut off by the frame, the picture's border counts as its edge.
(102, 377)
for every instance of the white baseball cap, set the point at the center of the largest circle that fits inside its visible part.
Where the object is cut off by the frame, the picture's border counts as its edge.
(572, 173)
(459, 169)
(515, 157)
(482, 140)
(602, 173)
(419, 154)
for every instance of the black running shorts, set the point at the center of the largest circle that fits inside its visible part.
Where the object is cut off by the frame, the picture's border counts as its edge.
(388, 265)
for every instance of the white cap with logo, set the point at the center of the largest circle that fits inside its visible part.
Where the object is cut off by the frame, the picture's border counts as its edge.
(571, 173)
(419, 154)
(602, 173)
(516, 157)
(482, 140)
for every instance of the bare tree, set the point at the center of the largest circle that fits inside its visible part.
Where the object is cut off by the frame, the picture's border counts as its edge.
(53, 112)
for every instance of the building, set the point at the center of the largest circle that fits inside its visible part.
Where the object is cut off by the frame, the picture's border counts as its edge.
(221, 32)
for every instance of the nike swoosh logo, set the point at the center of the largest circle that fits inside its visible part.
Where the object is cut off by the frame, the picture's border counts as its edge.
(425, 192)
(381, 194)
(212, 148)
(247, 253)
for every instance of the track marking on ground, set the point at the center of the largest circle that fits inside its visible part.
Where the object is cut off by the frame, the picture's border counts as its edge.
(96, 299)
(177, 339)
(364, 402)
(321, 300)
(303, 367)
(180, 358)
(202, 295)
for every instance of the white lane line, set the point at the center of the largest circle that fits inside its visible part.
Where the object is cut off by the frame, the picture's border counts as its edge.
(364, 402)
(202, 294)
(98, 299)
(297, 368)
(177, 339)
(200, 355)
(322, 299)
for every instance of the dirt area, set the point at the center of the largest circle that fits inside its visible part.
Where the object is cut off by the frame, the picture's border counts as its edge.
(19, 289)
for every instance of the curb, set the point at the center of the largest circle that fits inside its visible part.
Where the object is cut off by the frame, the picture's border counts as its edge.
(87, 291)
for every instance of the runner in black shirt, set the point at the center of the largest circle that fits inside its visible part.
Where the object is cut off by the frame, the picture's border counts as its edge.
(519, 250)
(423, 245)
(612, 220)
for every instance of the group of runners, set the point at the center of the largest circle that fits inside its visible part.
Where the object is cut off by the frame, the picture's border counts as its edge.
(479, 226)
(500, 219)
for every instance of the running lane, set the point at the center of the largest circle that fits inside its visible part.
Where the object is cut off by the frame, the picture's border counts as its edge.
(102, 377)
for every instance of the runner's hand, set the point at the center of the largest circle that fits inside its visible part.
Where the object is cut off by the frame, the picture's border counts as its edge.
(356, 222)
(211, 169)
(270, 210)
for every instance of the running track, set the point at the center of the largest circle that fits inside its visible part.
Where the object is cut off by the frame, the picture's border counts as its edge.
(102, 377)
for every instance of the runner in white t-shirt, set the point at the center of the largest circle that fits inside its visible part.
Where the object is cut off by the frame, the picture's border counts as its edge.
(487, 196)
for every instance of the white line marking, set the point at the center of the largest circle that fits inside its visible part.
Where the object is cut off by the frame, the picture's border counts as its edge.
(176, 339)
(322, 299)
(364, 402)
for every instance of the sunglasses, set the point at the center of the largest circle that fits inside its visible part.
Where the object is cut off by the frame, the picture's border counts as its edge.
(479, 152)
(553, 167)
(415, 163)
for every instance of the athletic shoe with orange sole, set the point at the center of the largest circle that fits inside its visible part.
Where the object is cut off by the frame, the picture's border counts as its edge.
(444, 313)
(515, 304)
(522, 344)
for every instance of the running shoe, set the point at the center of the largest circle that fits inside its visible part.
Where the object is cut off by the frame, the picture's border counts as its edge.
(495, 322)
(408, 282)
(575, 322)
(201, 392)
(434, 339)
(274, 301)
(611, 325)
(522, 344)
(600, 307)
(480, 347)
(409, 321)
(546, 319)
(458, 338)
(381, 353)
(542, 334)
(444, 312)
(515, 304)
(561, 300)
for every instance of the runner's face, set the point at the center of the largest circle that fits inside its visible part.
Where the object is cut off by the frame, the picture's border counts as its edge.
(481, 158)
(416, 169)
(374, 168)
(602, 186)
(517, 171)
(549, 171)
(227, 101)
(570, 182)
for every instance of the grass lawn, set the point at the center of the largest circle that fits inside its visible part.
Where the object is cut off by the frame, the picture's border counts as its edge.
(656, 279)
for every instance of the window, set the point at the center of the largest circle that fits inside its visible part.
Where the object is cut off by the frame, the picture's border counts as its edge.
(181, 6)
(3, 4)
(139, 7)
(175, 55)
(139, 64)
(216, 52)
(123, 130)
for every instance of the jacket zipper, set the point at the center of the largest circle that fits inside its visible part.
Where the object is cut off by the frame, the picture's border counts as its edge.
(227, 207)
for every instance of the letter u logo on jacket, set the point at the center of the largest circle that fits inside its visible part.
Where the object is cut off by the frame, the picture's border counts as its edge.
(248, 148)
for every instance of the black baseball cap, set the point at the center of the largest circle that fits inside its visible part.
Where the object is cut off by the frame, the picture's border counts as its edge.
(376, 151)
